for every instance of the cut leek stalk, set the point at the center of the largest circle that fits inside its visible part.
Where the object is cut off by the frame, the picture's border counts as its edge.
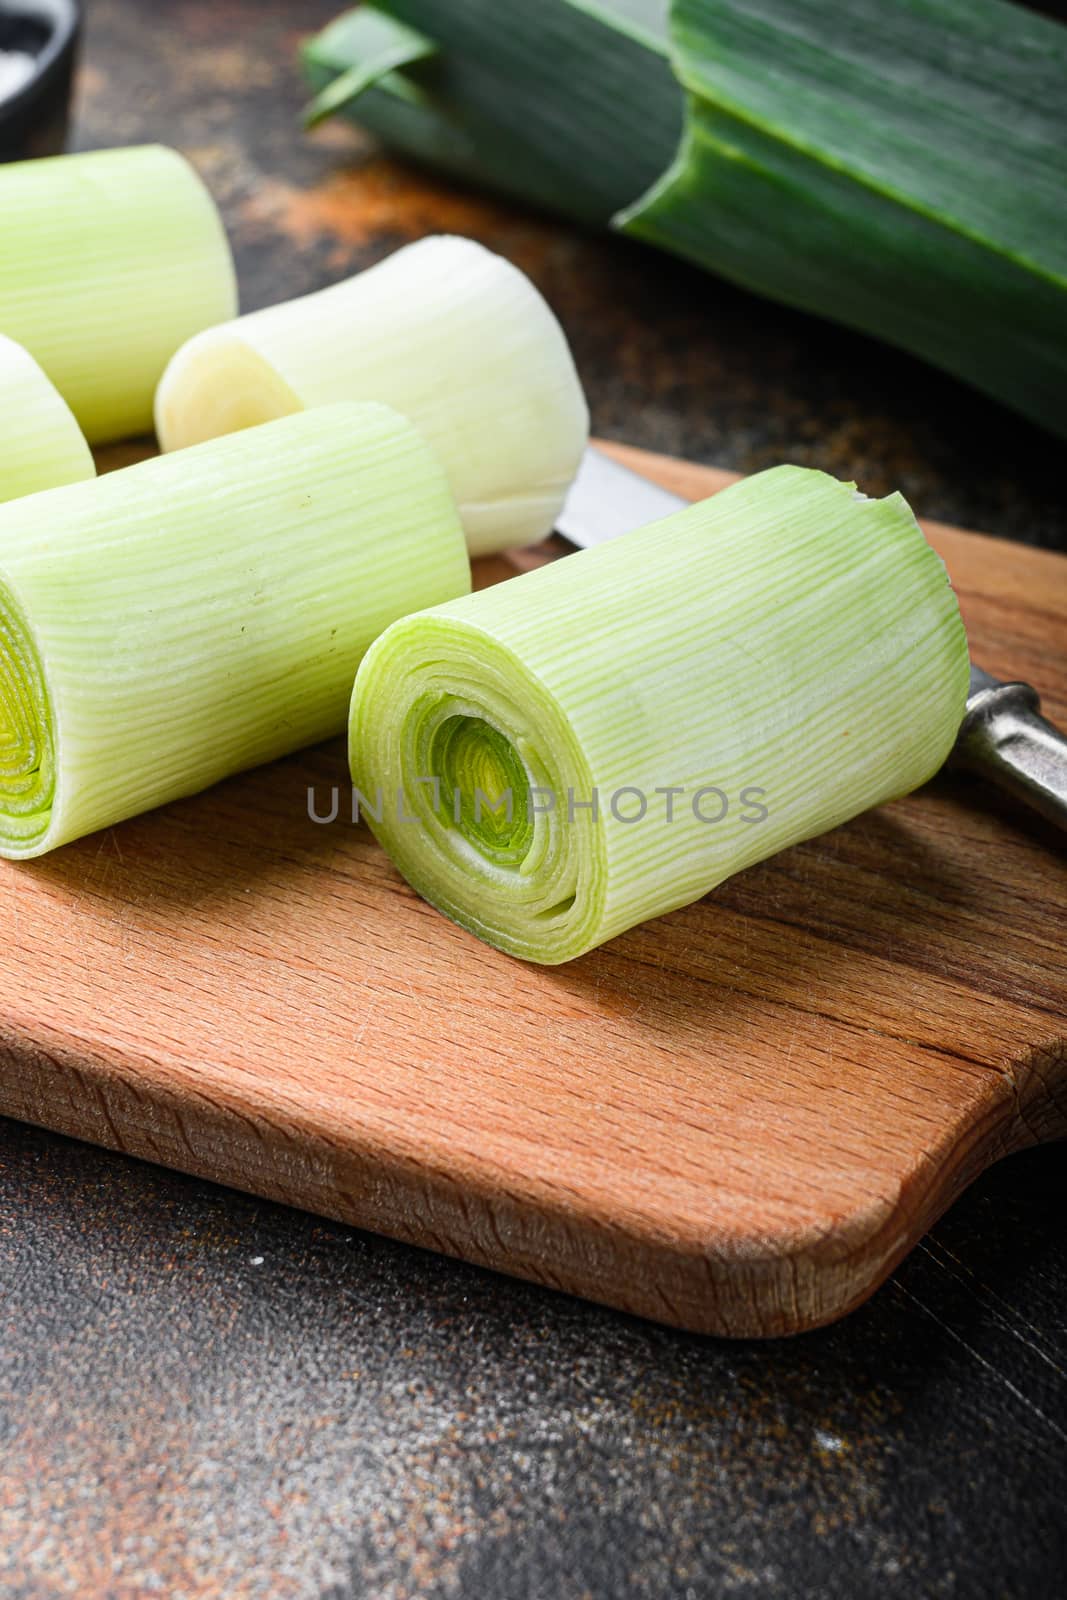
(41, 445)
(662, 710)
(450, 335)
(166, 625)
(897, 165)
(110, 261)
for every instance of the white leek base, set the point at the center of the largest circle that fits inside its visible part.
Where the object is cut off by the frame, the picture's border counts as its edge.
(444, 331)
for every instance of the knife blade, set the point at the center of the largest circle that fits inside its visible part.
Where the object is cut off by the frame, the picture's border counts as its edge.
(1003, 736)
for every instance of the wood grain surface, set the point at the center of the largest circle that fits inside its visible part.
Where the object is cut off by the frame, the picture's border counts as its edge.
(736, 1119)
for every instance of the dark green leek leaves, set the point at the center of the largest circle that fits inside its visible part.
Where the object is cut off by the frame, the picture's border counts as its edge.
(901, 167)
(898, 165)
(541, 100)
(379, 45)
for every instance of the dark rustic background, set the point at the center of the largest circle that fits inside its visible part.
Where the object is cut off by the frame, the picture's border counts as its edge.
(206, 1395)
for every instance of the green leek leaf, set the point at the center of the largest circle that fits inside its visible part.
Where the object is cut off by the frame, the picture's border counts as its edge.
(544, 100)
(381, 45)
(897, 165)
(904, 170)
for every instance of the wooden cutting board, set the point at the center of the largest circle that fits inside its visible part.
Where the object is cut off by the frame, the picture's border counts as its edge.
(736, 1119)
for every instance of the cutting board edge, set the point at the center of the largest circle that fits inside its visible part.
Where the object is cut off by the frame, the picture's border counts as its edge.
(722, 1288)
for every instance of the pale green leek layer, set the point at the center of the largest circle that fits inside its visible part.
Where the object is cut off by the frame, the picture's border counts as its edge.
(41, 445)
(783, 656)
(450, 335)
(167, 625)
(109, 261)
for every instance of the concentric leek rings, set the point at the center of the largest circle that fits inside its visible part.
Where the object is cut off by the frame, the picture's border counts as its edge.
(27, 749)
(466, 777)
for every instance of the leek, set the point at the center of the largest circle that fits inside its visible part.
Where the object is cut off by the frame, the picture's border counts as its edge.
(41, 445)
(898, 165)
(110, 260)
(166, 625)
(606, 738)
(450, 335)
(573, 110)
(384, 46)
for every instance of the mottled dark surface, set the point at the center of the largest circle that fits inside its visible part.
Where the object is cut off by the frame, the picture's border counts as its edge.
(205, 1395)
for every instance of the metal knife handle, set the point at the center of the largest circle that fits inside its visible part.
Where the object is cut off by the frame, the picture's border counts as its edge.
(1005, 738)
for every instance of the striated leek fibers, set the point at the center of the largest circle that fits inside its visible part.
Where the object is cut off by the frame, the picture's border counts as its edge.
(450, 335)
(110, 260)
(41, 445)
(166, 625)
(660, 711)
